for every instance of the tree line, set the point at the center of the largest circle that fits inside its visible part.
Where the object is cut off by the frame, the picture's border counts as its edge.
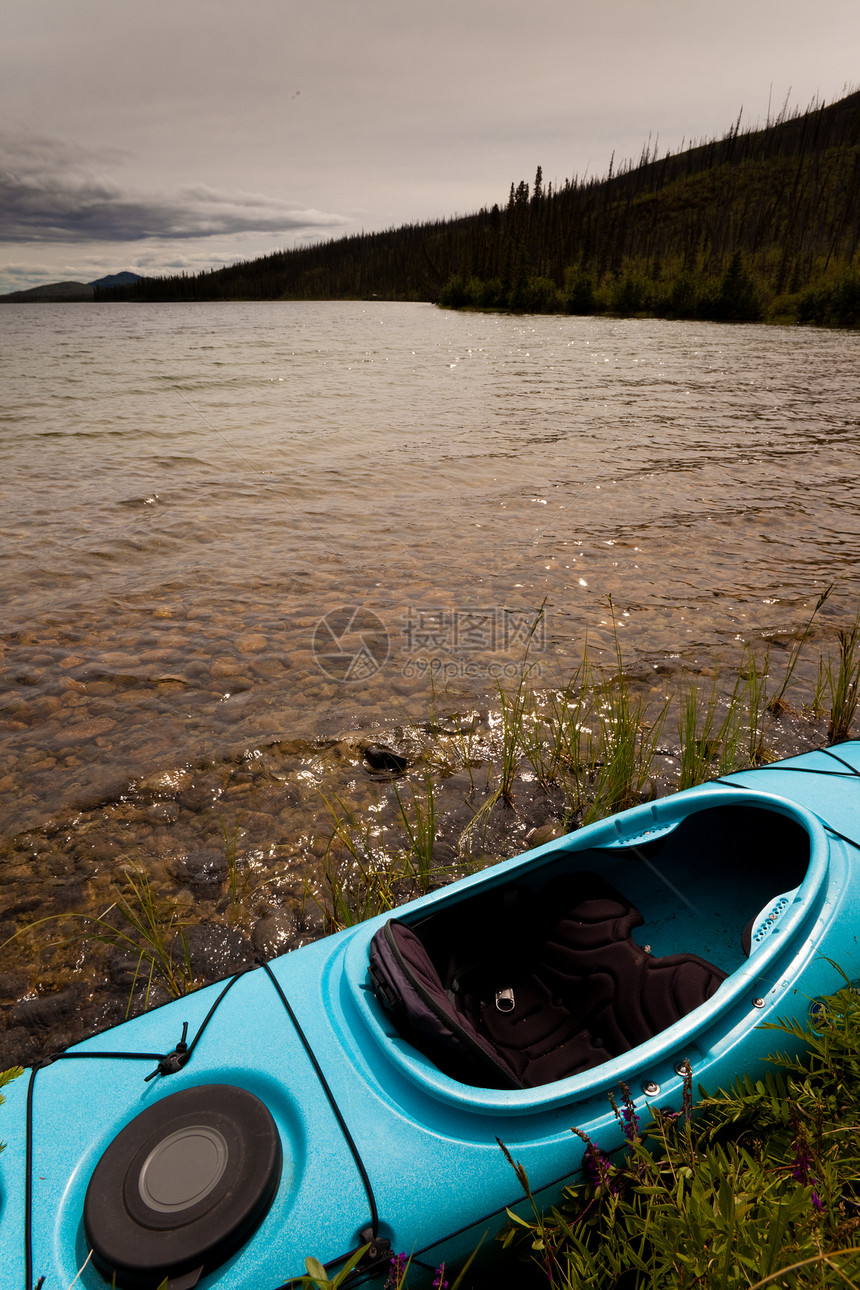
(763, 223)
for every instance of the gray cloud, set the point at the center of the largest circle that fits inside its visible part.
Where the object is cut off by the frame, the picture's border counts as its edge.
(51, 191)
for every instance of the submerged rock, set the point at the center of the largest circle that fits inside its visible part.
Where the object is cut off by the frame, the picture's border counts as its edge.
(383, 761)
(276, 933)
(203, 872)
(542, 833)
(214, 951)
(12, 984)
(166, 783)
(46, 1011)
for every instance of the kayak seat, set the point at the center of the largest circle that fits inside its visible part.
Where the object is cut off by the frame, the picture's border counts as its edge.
(544, 985)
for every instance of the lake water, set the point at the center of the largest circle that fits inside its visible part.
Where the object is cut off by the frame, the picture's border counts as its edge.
(241, 541)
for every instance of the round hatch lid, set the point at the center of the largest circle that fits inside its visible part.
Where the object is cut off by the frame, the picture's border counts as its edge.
(183, 1186)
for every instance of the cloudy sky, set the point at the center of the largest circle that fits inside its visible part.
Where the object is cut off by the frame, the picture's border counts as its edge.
(159, 135)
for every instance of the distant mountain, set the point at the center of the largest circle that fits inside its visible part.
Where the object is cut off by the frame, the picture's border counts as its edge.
(51, 291)
(116, 280)
(58, 292)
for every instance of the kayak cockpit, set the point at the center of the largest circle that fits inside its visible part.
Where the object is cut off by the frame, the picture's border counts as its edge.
(560, 986)
(593, 952)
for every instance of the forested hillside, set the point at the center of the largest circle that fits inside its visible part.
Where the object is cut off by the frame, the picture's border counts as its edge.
(760, 223)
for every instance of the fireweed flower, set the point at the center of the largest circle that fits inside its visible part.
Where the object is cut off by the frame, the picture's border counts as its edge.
(439, 1282)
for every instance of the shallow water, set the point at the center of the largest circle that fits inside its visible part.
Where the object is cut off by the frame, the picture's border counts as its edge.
(239, 542)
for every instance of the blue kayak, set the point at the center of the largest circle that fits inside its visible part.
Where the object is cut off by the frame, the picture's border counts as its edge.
(312, 1106)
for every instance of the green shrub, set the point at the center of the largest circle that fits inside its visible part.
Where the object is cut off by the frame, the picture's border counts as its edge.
(631, 293)
(579, 295)
(760, 1186)
(739, 297)
(682, 298)
(832, 304)
(454, 294)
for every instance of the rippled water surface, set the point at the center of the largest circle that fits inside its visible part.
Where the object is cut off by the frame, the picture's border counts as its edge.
(212, 515)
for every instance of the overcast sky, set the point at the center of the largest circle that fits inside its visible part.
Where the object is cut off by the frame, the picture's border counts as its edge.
(159, 135)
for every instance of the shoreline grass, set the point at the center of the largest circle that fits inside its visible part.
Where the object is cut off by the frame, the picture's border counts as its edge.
(751, 1186)
(591, 746)
(141, 926)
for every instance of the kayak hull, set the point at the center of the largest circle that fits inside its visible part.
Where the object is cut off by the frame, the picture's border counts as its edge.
(376, 1143)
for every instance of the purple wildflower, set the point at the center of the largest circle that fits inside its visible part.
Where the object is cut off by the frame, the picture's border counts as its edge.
(439, 1282)
(800, 1171)
(687, 1078)
(629, 1118)
(394, 1280)
(596, 1164)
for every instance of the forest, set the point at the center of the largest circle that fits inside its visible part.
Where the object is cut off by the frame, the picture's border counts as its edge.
(761, 224)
